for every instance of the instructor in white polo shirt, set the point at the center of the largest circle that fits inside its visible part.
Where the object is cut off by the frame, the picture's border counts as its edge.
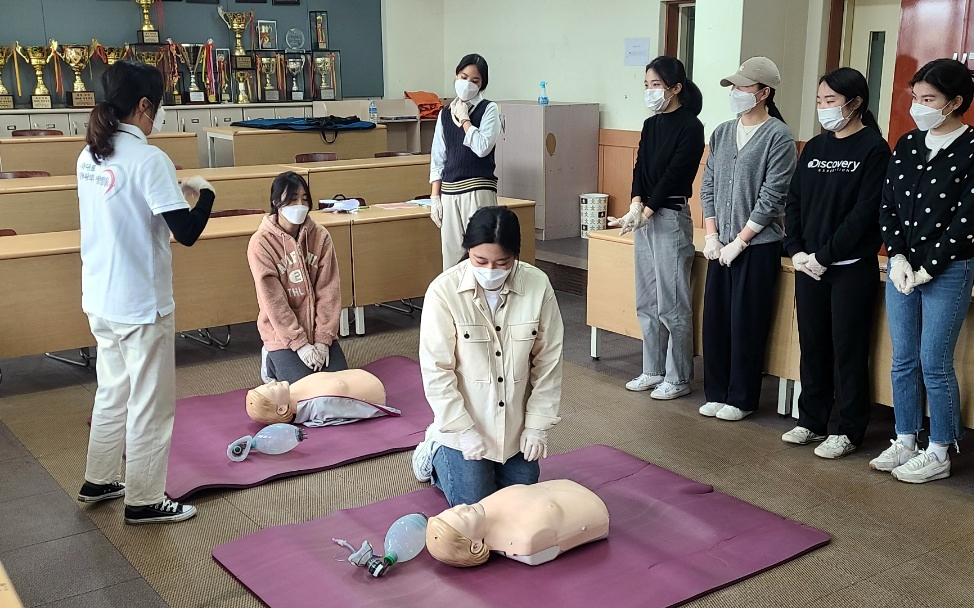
(130, 200)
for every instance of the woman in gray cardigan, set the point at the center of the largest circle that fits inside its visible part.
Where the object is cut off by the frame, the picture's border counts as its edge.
(745, 182)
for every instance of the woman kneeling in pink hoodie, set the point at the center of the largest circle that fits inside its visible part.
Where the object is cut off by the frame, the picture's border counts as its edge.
(298, 291)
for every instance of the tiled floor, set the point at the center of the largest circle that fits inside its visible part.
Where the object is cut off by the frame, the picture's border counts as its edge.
(567, 252)
(893, 544)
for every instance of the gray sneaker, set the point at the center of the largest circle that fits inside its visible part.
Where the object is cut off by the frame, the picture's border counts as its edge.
(922, 468)
(892, 457)
(836, 446)
(423, 460)
(801, 436)
(644, 382)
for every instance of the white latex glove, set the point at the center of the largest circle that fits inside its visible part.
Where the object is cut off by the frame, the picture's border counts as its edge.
(460, 111)
(798, 260)
(712, 246)
(310, 357)
(472, 445)
(901, 273)
(323, 352)
(920, 277)
(730, 251)
(436, 210)
(814, 267)
(636, 218)
(191, 186)
(534, 444)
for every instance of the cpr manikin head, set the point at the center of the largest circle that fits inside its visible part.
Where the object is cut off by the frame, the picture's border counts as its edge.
(271, 403)
(277, 401)
(456, 536)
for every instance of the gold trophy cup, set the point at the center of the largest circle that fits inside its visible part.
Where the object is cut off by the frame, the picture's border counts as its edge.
(149, 57)
(38, 57)
(326, 70)
(238, 22)
(148, 34)
(268, 66)
(192, 56)
(295, 65)
(111, 54)
(6, 99)
(77, 57)
(243, 85)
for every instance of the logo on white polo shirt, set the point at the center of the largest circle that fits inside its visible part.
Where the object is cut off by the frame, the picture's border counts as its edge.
(834, 166)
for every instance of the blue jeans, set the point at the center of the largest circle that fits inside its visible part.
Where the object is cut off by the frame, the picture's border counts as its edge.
(465, 482)
(923, 327)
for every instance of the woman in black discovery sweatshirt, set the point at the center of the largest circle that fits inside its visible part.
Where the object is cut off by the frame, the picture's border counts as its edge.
(670, 149)
(832, 236)
(927, 220)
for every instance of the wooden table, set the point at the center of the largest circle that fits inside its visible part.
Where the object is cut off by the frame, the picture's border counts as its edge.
(212, 283)
(396, 253)
(377, 180)
(276, 146)
(59, 155)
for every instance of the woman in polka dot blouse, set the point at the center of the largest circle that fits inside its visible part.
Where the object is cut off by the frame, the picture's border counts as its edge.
(927, 221)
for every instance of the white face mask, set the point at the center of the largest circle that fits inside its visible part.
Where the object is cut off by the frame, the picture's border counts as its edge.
(832, 119)
(927, 118)
(490, 278)
(158, 120)
(466, 90)
(656, 100)
(295, 214)
(742, 101)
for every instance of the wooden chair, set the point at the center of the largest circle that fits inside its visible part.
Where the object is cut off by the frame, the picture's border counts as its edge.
(178, 167)
(390, 154)
(315, 157)
(36, 133)
(19, 174)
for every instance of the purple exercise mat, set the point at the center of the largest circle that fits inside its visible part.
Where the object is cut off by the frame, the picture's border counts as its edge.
(205, 426)
(671, 539)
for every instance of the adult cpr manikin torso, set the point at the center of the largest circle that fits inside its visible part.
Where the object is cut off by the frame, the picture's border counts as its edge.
(324, 398)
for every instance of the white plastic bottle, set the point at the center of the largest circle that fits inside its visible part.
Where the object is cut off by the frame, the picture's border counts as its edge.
(373, 112)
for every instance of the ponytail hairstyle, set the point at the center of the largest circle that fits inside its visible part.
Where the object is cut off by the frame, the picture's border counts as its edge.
(672, 72)
(771, 105)
(126, 84)
(495, 224)
(850, 83)
(950, 77)
(284, 190)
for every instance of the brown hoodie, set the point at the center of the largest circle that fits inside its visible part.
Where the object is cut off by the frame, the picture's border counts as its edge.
(298, 290)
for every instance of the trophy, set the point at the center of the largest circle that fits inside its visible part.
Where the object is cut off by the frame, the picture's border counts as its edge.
(243, 84)
(77, 58)
(222, 70)
(149, 57)
(238, 22)
(109, 54)
(6, 99)
(192, 56)
(319, 30)
(148, 34)
(295, 65)
(38, 57)
(326, 70)
(172, 53)
(268, 66)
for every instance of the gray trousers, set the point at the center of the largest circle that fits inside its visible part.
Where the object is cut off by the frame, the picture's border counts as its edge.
(286, 366)
(457, 209)
(663, 258)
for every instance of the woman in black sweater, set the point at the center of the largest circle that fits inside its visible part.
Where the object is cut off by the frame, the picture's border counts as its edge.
(668, 158)
(832, 233)
(927, 219)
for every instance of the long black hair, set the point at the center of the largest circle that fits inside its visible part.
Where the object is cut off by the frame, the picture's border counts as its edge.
(672, 72)
(285, 189)
(769, 102)
(850, 83)
(950, 77)
(478, 62)
(126, 83)
(498, 225)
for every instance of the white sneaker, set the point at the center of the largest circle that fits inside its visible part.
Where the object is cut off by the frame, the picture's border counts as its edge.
(729, 412)
(836, 446)
(264, 374)
(922, 468)
(666, 391)
(423, 460)
(644, 382)
(892, 457)
(711, 408)
(801, 436)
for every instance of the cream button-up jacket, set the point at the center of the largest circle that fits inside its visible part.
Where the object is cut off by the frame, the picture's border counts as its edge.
(501, 372)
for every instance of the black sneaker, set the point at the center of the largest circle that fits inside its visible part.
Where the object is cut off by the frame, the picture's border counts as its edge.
(97, 492)
(159, 513)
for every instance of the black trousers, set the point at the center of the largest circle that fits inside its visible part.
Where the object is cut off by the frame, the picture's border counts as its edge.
(738, 303)
(835, 319)
(286, 366)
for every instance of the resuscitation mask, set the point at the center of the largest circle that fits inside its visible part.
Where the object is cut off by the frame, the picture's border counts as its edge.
(159, 119)
(742, 101)
(832, 119)
(656, 99)
(466, 90)
(490, 278)
(295, 214)
(927, 118)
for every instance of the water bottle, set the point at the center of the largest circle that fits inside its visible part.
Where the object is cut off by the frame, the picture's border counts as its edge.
(404, 541)
(543, 98)
(373, 112)
(274, 439)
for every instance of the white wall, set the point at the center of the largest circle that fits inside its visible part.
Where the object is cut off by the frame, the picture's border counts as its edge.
(412, 46)
(574, 45)
(716, 55)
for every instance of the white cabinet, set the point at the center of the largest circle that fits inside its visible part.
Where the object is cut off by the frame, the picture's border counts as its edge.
(170, 122)
(13, 122)
(193, 121)
(291, 112)
(78, 123)
(258, 112)
(224, 117)
(51, 121)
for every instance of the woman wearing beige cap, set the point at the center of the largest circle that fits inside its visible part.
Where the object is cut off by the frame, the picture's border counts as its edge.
(745, 182)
